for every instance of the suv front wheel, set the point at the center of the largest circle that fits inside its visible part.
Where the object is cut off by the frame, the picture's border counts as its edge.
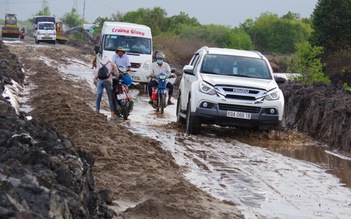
(193, 124)
(180, 119)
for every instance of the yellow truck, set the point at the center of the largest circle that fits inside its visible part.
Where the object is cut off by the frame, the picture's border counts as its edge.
(10, 29)
(60, 36)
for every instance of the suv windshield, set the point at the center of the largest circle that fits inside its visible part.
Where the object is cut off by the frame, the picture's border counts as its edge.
(130, 44)
(235, 66)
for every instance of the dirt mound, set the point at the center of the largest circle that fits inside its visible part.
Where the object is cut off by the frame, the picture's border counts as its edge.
(323, 111)
(42, 174)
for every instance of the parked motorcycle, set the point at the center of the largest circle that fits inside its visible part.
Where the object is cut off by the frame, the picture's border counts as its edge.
(122, 101)
(160, 93)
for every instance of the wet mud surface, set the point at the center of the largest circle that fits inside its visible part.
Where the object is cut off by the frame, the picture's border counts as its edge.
(145, 180)
(148, 161)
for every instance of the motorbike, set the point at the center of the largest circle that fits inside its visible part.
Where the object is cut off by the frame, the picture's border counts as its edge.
(122, 101)
(160, 93)
(21, 35)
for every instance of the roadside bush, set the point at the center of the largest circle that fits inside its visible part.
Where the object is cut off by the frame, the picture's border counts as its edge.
(177, 49)
(306, 61)
(338, 67)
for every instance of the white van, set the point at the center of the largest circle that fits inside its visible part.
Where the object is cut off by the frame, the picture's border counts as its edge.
(128, 35)
(45, 31)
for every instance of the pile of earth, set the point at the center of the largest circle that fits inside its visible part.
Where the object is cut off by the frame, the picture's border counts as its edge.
(320, 110)
(42, 173)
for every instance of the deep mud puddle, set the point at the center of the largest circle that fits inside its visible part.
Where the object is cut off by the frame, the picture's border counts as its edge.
(283, 175)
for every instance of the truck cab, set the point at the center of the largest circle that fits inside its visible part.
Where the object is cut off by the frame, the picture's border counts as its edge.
(44, 29)
(135, 39)
(45, 32)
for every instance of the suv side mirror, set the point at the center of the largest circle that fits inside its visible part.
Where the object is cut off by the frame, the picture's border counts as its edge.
(188, 69)
(280, 80)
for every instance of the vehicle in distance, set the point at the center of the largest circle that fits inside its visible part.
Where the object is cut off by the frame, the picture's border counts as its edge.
(10, 28)
(229, 87)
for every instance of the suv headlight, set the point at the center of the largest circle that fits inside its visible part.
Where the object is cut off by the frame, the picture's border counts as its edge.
(273, 94)
(207, 89)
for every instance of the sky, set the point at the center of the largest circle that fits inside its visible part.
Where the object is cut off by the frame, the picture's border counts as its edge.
(222, 12)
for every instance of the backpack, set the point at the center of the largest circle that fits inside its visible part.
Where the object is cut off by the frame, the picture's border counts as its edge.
(103, 72)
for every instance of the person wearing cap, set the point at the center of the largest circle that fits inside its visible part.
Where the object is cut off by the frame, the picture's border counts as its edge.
(120, 58)
(156, 68)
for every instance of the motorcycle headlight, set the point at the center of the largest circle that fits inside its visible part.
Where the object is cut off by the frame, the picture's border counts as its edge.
(163, 77)
(207, 89)
(273, 94)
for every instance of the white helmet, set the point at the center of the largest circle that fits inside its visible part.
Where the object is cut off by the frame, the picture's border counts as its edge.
(160, 55)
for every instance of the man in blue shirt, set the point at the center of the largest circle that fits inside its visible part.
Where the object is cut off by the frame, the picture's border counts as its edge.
(121, 59)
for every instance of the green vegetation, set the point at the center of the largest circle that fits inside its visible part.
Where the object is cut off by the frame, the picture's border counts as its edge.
(306, 62)
(331, 23)
(72, 19)
(269, 33)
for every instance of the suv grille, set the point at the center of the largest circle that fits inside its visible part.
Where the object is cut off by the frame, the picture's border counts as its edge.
(238, 97)
(246, 109)
(244, 94)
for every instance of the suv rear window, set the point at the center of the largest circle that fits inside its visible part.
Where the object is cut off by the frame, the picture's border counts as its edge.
(235, 66)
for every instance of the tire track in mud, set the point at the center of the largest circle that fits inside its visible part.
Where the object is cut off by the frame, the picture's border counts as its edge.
(262, 183)
(139, 172)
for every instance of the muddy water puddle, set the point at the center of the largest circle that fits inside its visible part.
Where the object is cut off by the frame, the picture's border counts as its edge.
(266, 174)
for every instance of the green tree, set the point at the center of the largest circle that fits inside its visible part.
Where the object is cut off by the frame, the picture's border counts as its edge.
(269, 33)
(100, 21)
(154, 18)
(176, 22)
(306, 61)
(217, 35)
(332, 23)
(44, 12)
(72, 19)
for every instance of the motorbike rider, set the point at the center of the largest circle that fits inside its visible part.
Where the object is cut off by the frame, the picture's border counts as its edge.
(105, 83)
(120, 58)
(156, 68)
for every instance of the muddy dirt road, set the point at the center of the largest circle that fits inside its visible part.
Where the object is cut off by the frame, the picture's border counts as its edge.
(148, 161)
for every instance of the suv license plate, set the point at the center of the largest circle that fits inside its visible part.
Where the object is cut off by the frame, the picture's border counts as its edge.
(239, 115)
(121, 96)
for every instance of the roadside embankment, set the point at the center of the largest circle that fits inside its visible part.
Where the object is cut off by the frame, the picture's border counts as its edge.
(42, 173)
(323, 111)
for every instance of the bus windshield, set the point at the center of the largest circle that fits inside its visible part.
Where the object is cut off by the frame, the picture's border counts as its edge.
(130, 44)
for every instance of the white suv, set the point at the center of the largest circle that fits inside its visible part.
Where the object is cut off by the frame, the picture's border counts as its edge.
(231, 88)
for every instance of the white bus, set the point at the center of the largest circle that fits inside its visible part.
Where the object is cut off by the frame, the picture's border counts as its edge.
(128, 35)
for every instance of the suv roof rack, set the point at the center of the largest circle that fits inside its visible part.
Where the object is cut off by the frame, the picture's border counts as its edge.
(258, 53)
(205, 48)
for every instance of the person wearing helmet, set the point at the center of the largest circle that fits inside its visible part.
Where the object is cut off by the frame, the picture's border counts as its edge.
(156, 68)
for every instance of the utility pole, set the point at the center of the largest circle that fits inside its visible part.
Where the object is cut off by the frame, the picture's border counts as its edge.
(44, 4)
(83, 12)
(75, 5)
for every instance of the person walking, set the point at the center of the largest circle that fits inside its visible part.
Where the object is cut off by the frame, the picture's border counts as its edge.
(103, 74)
